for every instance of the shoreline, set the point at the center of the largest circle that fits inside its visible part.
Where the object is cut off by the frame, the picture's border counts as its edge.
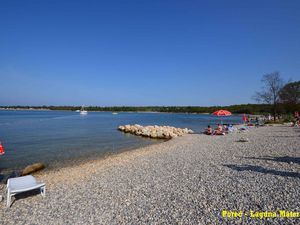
(44, 119)
(98, 157)
(62, 110)
(189, 179)
(69, 163)
(105, 158)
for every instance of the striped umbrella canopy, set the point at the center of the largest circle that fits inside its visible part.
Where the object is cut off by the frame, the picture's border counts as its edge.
(222, 112)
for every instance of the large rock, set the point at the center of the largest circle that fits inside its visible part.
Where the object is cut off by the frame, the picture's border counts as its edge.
(160, 134)
(190, 131)
(127, 128)
(155, 131)
(122, 128)
(32, 168)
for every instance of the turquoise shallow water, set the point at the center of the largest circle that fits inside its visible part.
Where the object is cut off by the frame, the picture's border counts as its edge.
(59, 137)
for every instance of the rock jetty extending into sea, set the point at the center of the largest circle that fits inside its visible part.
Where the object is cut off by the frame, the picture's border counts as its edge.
(164, 132)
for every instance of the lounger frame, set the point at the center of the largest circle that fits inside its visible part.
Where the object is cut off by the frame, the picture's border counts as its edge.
(11, 191)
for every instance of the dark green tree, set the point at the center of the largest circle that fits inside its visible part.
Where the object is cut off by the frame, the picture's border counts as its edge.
(290, 96)
(290, 93)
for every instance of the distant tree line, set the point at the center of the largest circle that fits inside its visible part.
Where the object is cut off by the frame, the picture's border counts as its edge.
(276, 97)
(244, 108)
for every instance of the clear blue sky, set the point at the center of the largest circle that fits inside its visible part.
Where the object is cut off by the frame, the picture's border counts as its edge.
(133, 52)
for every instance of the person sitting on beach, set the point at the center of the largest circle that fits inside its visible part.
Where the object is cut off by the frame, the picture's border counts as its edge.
(225, 128)
(256, 121)
(297, 123)
(248, 120)
(219, 130)
(208, 130)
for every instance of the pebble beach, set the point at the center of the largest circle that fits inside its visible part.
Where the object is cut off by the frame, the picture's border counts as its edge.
(187, 180)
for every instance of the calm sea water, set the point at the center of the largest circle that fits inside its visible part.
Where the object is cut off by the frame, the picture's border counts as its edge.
(60, 137)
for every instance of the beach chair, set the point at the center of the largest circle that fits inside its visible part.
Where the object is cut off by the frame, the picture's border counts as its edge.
(22, 184)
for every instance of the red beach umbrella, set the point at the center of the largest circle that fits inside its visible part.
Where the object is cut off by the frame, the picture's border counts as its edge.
(222, 112)
(1, 149)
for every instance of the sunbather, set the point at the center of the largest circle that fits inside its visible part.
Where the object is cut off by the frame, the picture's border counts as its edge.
(219, 130)
(208, 130)
(225, 128)
(297, 123)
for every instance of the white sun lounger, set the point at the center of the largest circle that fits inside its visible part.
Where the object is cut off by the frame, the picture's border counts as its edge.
(22, 184)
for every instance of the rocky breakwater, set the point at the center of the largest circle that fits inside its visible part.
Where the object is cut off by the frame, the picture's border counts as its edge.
(164, 132)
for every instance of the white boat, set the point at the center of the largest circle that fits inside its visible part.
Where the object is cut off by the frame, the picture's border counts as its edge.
(114, 113)
(82, 111)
